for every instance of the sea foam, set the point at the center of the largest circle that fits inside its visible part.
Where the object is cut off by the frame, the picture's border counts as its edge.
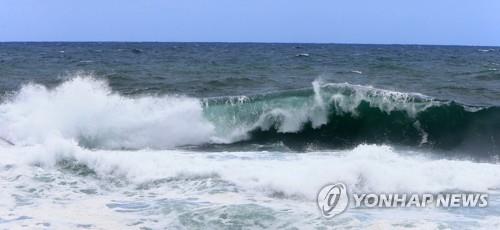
(86, 110)
(366, 168)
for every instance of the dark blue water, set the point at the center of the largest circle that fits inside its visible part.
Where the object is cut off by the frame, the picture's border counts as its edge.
(466, 74)
(466, 77)
(232, 136)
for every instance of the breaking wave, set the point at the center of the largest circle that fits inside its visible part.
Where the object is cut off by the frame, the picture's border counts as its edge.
(330, 115)
(86, 110)
(68, 141)
(342, 115)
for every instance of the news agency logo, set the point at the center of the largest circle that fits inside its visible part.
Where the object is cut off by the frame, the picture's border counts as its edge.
(333, 199)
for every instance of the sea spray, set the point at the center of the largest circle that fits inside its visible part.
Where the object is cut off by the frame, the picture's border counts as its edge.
(86, 110)
(330, 115)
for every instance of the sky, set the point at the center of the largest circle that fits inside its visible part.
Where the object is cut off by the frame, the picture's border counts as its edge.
(446, 22)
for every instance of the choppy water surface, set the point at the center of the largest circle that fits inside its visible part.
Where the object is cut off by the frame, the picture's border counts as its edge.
(194, 136)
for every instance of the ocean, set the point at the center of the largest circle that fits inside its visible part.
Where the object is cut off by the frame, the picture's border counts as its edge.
(244, 135)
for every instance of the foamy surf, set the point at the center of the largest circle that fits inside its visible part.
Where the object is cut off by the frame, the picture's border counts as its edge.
(330, 115)
(79, 146)
(147, 188)
(86, 110)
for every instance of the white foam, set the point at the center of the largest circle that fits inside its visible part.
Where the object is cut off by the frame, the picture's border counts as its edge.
(86, 110)
(347, 97)
(279, 181)
(365, 168)
(50, 126)
(286, 115)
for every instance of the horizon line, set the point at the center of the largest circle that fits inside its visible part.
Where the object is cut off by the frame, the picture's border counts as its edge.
(249, 42)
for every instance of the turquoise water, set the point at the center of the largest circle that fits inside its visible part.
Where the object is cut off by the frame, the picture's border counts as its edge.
(237, 136)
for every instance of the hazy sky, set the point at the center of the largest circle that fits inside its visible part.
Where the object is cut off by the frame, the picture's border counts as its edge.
(466, 22)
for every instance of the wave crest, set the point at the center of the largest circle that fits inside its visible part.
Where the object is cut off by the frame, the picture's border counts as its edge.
(330, 115)
(337, 115)
(86, 110)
